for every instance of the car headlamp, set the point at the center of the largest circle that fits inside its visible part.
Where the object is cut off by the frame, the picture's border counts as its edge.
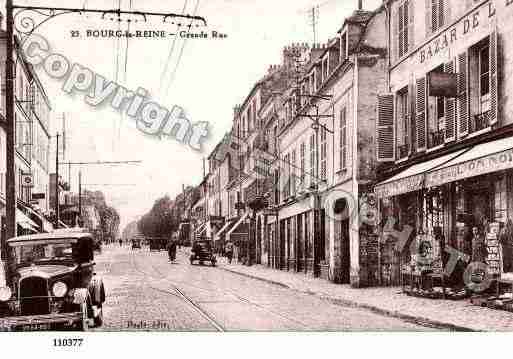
(5, 294)
(59, 289)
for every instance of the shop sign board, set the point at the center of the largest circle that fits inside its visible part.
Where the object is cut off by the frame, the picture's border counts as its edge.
(442, 84)
(493, 258)
(462, 34)
(480, 166)
(400, 186)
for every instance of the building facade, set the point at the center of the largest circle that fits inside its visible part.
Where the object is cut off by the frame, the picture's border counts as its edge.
(32, 140)
(326, 152)
(444, 140)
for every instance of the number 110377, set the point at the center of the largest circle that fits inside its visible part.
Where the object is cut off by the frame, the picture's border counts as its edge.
(68, 342)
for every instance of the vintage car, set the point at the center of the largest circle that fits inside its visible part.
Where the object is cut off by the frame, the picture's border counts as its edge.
(136, 243)
(51, 284)
(202, 251)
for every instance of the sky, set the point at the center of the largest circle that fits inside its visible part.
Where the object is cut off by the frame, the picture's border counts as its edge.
(206, 77)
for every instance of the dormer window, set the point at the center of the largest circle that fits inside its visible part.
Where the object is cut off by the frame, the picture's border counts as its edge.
(325, 67)
(344, 53)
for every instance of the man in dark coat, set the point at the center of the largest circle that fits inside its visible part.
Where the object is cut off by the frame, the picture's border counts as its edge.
(171, 250)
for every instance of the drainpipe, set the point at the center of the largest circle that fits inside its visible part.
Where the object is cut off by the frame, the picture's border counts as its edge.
(355, 165)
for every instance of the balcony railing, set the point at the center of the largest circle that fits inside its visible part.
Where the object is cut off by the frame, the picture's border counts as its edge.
(436, 138)
(480, 122)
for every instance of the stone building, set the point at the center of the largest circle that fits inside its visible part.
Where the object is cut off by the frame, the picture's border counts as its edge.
(32, 141)
(443, 138)
(326, 147)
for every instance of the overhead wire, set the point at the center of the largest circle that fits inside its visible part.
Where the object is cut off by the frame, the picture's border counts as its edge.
(181, 53)
(170, 54)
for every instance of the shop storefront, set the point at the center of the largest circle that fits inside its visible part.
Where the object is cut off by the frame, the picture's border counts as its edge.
(448, 223)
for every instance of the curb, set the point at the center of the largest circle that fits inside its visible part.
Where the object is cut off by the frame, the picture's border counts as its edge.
(256, 277)
(426, 322)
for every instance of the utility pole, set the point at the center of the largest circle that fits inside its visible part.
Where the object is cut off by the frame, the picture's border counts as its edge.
(57, 209)
(80, 195)
(10, 189)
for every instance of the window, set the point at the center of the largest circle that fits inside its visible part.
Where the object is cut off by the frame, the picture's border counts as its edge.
(438, 12)
(276, 187)
(255, 114)
(302, 150)
(343, 139)
(480, 86)
(286, 161)
(403, 124)
(403, 21)
(275, 139)
(293, 174)
(324, 152)
(325, 68)
(312, 160)
(343, 46)
(436, 118)
(484, 79)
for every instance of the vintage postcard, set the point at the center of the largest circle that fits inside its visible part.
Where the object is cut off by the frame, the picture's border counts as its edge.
(255, 166)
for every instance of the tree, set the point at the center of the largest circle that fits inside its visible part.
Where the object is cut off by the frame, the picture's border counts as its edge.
(109, 217)
(159, 221)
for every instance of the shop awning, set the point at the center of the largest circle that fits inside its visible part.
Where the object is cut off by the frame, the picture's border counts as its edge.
(238, 228)
(47, 226)
(412, 179)
(224, 229)
(24, 221)
(201, 229)
(479, 160)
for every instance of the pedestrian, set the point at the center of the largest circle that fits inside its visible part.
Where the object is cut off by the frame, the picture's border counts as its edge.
(229, 251)
(120, 242)
(171, 250)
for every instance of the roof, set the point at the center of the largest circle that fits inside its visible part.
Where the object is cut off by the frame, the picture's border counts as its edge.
(71, 234)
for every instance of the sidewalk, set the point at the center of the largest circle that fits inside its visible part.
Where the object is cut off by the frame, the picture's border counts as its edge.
(446, 314)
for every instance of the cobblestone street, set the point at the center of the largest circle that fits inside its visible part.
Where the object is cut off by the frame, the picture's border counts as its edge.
(146, 292)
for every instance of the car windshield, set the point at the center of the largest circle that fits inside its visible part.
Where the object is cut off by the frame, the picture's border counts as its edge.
(30, 253)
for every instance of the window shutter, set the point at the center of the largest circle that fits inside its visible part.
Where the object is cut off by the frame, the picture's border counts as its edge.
(429, 27)
(463, 104)
(411, 116)
(395, 33)
(450, 110)
(402, 25)
(420, 119)
(494, 107)
(411, 40)
(447, 13)
(385, 128)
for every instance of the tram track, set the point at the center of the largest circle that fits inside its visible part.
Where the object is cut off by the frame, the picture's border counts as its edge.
(237, 296)
(177, 292)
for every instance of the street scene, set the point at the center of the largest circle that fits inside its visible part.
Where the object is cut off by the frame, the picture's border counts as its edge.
(346, 168)
(180, 297)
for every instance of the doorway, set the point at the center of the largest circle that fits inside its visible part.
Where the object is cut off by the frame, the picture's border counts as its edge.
(345, 252)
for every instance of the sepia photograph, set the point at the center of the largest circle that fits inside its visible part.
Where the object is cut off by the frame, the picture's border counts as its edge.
(298, 166)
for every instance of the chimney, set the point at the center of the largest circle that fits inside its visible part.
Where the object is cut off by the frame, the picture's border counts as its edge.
(360, 4)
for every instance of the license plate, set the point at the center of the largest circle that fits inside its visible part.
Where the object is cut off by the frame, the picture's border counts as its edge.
(35, 327)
